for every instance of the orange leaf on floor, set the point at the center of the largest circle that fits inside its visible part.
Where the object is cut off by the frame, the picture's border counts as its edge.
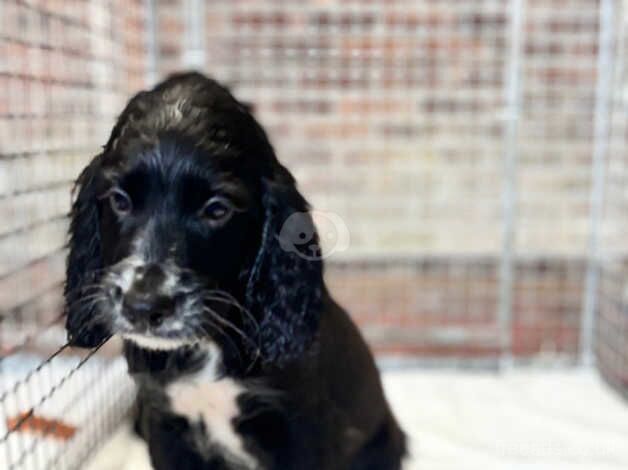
(27, 422)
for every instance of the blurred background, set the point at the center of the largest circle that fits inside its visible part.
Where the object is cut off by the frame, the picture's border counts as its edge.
(476, 152)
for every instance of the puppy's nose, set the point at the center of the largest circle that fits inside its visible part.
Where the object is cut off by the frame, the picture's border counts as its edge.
(143, 309)
(149, 277)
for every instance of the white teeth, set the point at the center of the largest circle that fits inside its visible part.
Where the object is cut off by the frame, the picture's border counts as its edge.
(152, 342)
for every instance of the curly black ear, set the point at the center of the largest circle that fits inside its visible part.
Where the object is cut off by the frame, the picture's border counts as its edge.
(285, 285)
(84, 262)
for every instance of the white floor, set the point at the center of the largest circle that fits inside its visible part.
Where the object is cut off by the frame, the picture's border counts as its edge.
(522, 420)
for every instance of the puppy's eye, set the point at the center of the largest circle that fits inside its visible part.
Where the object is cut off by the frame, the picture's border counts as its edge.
(216, 210)
(120, 202)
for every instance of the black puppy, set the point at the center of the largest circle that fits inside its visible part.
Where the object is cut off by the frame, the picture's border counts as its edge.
(242, 358)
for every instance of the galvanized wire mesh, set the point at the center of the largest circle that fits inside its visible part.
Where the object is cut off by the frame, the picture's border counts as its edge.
(66, 67)
(463, 143)
(610, 335)
(475, 150)
(454, 139)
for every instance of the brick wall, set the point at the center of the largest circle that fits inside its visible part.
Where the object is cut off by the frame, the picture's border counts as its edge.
(405, 104)
(66, 68)
(612, 325)
(556, 127)
(393, 115)
(386, 113)
(441, 307)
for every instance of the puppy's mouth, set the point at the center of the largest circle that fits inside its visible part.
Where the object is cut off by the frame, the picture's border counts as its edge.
(153, 304)
(190, 320)
(165, 307)
(163, 324)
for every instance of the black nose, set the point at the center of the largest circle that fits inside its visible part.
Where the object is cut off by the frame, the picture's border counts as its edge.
(143, 309)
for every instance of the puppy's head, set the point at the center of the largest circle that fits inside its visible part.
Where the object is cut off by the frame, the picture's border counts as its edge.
(174, 237)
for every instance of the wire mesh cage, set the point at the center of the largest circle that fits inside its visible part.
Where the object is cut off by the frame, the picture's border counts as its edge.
(473, 150)
(66, 67)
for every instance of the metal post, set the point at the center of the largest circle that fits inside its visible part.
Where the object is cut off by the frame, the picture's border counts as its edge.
(598, 175)
(151, 42)
(194, 36)
(509, 189)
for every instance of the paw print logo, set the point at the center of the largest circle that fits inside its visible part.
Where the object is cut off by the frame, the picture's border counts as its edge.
(297, 234)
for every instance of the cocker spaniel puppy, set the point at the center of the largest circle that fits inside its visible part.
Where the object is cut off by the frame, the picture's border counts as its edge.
(242, 358)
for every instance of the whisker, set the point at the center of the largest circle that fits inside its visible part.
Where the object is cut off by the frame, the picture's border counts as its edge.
(89, 323)
(218, 329)
(258, 354)
(228, 301)
(86, 288)
(86, 299)
(227, 298)
(225, 322)
(249, 341)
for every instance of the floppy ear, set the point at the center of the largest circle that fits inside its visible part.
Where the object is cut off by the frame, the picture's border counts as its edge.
(84, 262)
(284, 289)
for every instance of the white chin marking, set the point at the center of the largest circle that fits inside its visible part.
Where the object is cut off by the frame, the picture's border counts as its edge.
(153, 342)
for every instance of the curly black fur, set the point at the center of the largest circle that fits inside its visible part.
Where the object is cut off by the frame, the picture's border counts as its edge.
(285, 338)
(283, 282)
(84, 262)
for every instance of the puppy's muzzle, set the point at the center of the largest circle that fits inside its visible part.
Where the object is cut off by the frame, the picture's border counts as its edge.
(147, 302)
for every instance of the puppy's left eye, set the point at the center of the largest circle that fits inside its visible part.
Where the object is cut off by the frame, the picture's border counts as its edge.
(120, 202)
(216, 210)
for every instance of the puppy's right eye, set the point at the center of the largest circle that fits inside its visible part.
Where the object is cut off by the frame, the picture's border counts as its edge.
(216, 211)
(120, 202)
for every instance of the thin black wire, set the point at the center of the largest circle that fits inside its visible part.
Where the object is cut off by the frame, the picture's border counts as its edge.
(28, 376)
(44, 369)
(50, 429)
(52, 390)
(114, 404)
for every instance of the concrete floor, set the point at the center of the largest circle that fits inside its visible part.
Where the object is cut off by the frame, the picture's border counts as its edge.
(523, 420)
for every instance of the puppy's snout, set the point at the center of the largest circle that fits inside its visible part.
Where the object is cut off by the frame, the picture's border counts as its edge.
(145, 303)
(143, 309)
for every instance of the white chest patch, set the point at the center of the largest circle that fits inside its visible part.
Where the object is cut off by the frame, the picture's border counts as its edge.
(204, 396)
